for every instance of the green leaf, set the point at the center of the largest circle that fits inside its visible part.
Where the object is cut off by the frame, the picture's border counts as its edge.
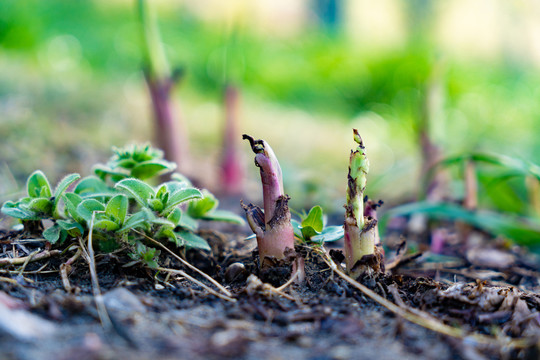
(140, 190)
(107, 244)
(188, 222)
(181, 196)
(37, 185)
(162, 221)
(175, 216)
(524, 231)
(117, 208)
(106, 225)
(103, 171)
(308, 232)
(126, 163)
(91, 185)
(71, 201)
(14, 210)
(52, 234)
(72, 227)
(166, 232)
(42, 206)
(181, 179)
(151, 168)
(199, 208)
(225, 216)
(329, 234)
(62, 187)
(155, 205)
(297, 229)
(136, 220)
(192, 241)
(87, 207)
(314, 219)
(174, 186)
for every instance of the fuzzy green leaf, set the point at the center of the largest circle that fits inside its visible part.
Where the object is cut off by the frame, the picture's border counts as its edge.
(140, 190)
(62, 187)
(72, 227)
(155, 205)
(52, 234)
(192, 241)
(117, 208)
(135, 220)
(175, 216)
(106, 225)
(87, 207)
(225, 216)
(92, 185)
(103, 171)
(151, 168)
(37, 185)
(166, 232)
(163, 222)
(41, 206)
(188, 222)
(71, 201)
(181, 196)
(199, 208)
(14, 210)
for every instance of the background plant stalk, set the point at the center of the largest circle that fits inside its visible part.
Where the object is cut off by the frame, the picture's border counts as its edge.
(273, 228)
(170, 131)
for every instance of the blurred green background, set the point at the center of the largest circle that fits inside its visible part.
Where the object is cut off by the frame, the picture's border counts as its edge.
(71, 86)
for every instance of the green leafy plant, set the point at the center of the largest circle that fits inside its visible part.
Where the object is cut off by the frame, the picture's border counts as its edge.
(41, 202)
(134, 161)
(124, 213)
(523, 227)
(206, 208)
(312, 227)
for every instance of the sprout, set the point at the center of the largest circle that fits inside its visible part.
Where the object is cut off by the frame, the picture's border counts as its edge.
(273, 227)
(361, 233)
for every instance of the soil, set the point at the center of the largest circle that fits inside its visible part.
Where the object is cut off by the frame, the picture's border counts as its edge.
(160, 316)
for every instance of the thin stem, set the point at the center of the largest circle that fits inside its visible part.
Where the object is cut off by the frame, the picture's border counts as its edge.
(192, 279)
(30, 258)
(89, 256)
(206, 276)
(422, 318)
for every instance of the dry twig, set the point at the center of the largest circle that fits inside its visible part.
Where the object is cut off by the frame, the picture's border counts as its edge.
(88, 254)
(30, 258)
(425, 320)
(206, 276)
(192, 279)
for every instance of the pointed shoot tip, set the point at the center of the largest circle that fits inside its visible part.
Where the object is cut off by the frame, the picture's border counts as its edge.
(256, 145)
(358, 138)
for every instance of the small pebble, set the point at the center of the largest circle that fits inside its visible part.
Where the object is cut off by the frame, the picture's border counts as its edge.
(236, 272)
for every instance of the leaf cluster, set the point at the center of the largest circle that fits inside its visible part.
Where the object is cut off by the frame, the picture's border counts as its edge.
(117, 201)
(312, 227)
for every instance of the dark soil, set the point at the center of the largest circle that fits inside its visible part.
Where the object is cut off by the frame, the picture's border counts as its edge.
(157, 316)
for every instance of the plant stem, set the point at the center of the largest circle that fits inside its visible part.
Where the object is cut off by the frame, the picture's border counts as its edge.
(360, 231)
(273, 228)
(231, 166)
(170, 135)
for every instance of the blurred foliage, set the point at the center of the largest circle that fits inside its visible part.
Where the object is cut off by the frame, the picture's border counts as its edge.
(485, 105)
